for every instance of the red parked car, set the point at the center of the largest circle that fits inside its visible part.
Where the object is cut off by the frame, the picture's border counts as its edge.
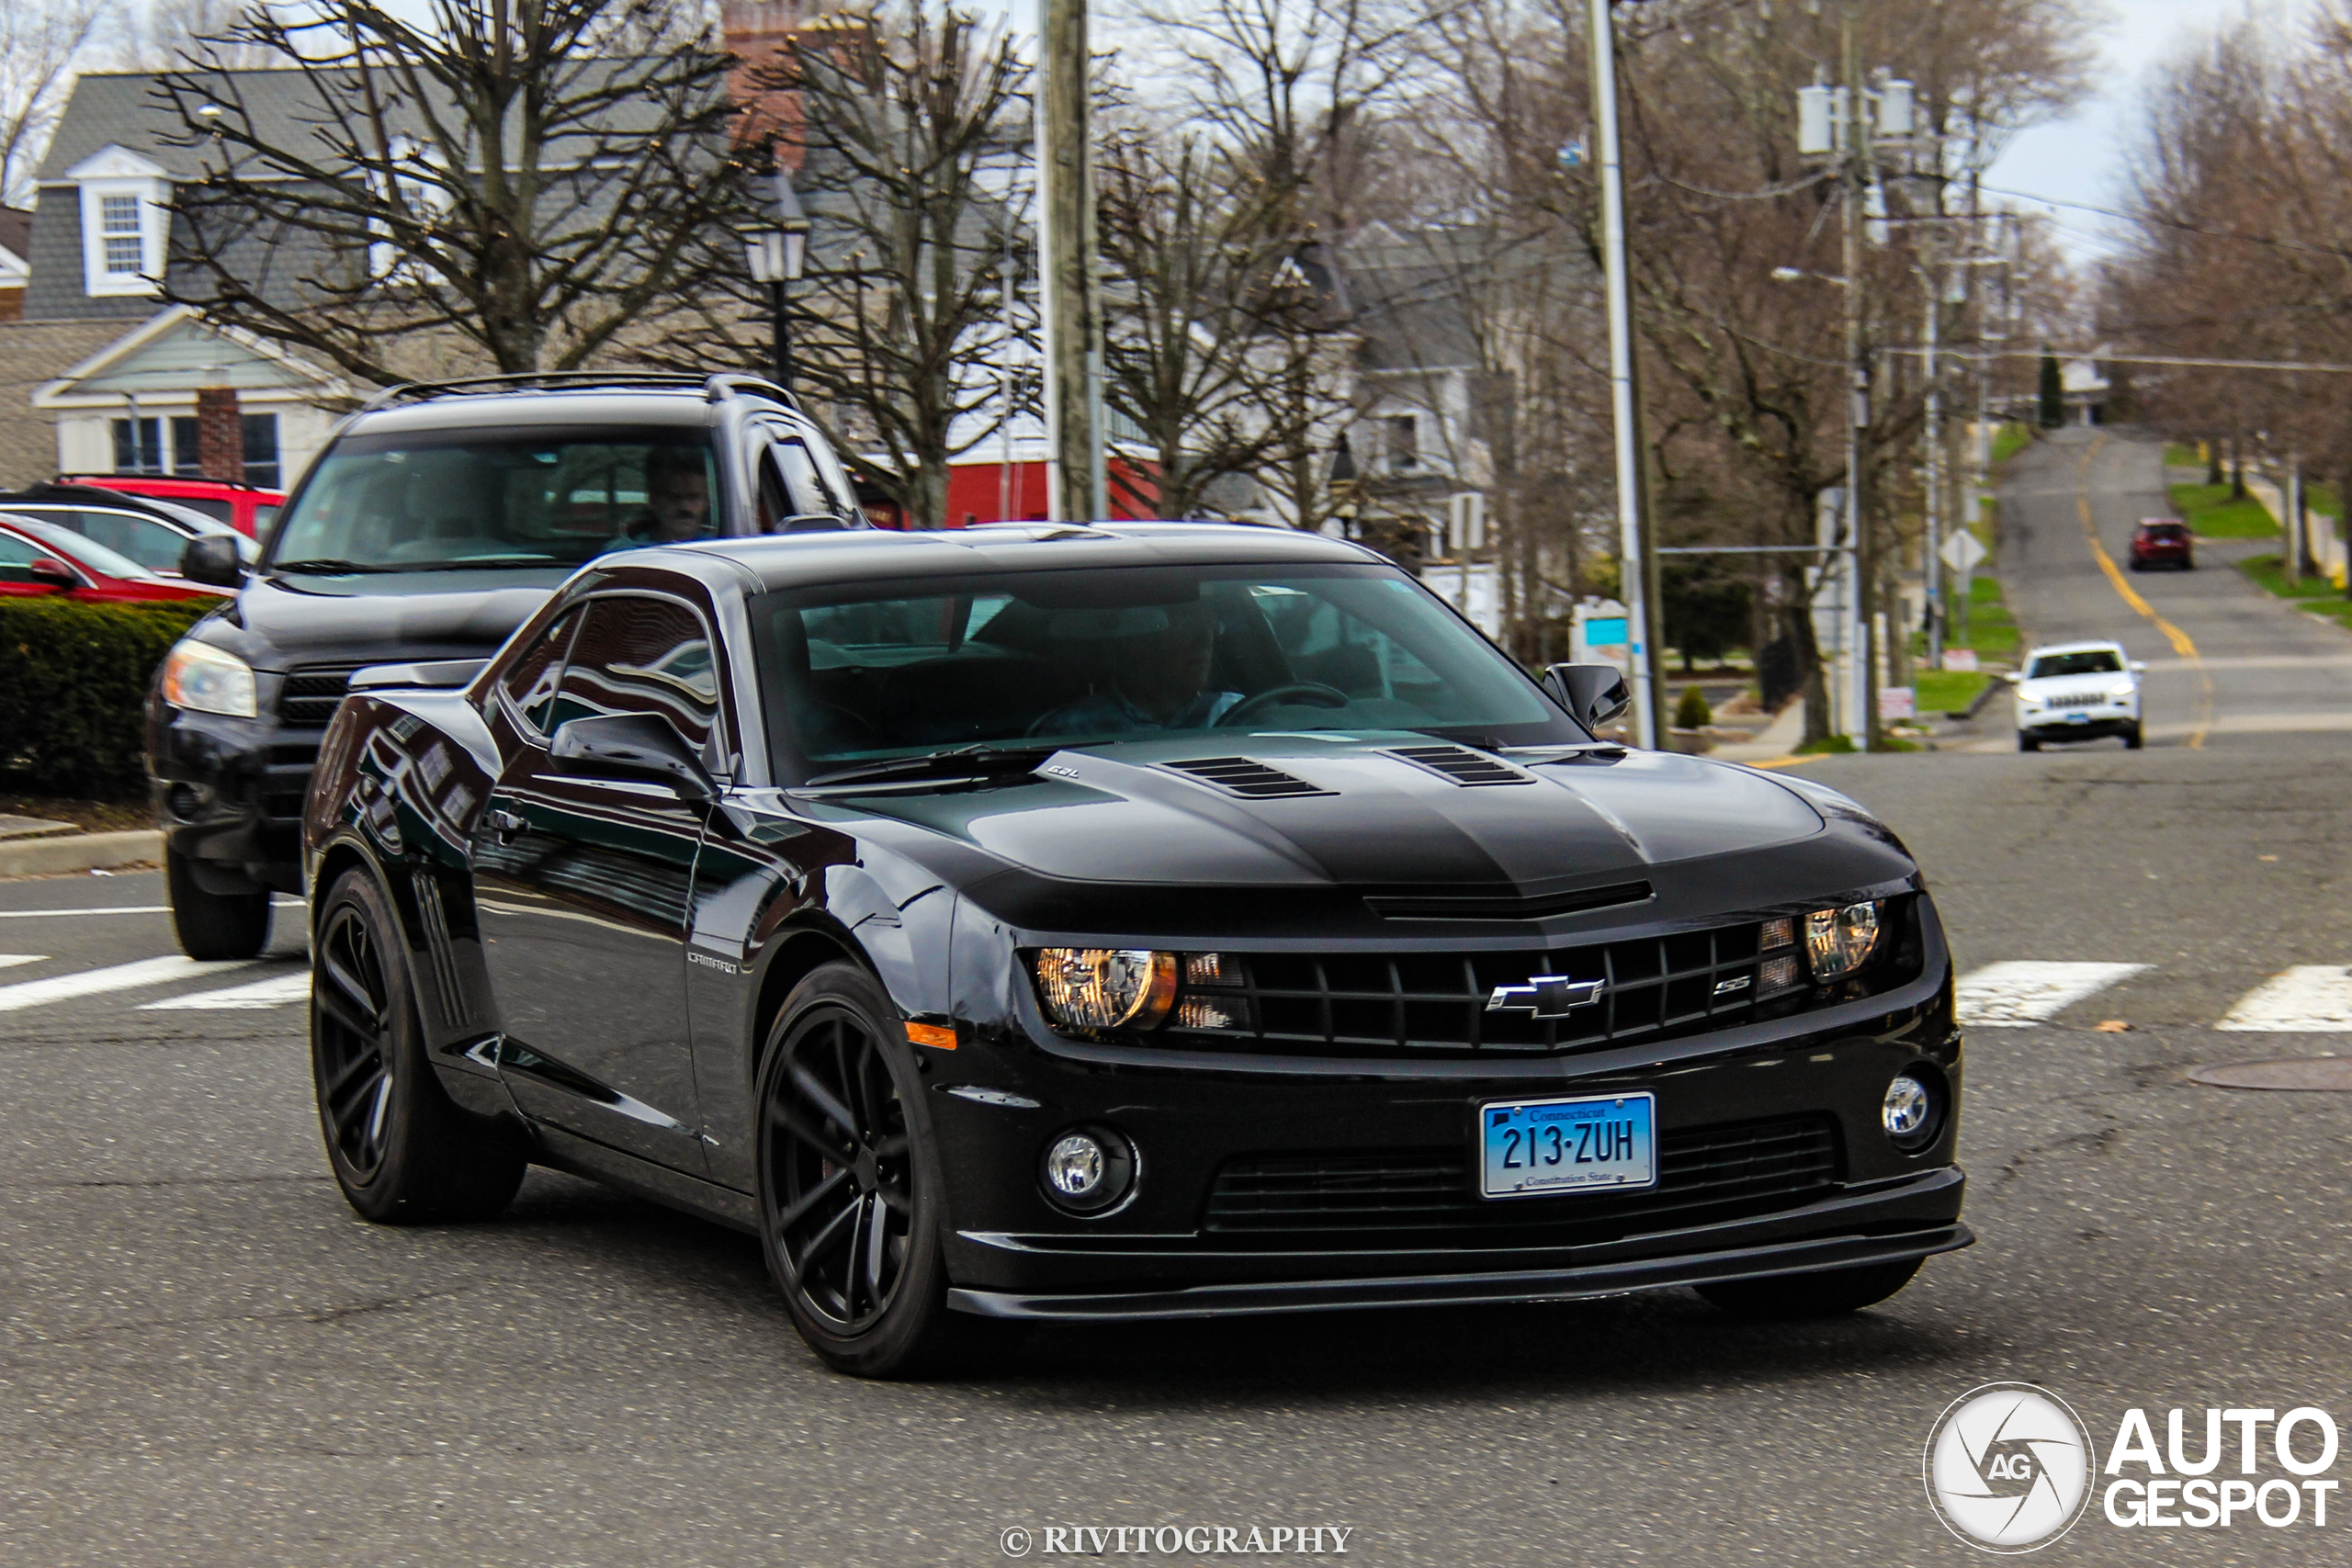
(41, 557)
(246, 508)
(2160, 541)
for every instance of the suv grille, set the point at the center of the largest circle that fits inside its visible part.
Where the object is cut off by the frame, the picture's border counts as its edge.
(1316, 1003)
(310, 697)
(2079, 700)
(1429, 1195)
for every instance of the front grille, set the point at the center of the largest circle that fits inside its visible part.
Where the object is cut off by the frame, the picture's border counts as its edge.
(1430, 1197)
(2079, 700)
(1412, 1001)
(310, 697)
(1245, 777)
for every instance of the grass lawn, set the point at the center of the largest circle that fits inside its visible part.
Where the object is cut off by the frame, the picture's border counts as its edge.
(2314, 593)
(2008, 441)
(1948, 691)
(2181, 455)
(2210, 513)
(1992, 630)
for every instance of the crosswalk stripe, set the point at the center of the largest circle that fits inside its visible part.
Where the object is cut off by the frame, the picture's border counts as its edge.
(2024, 991)
(2315, 998)
(121, 909)
(276, 991)
(11, 960)
(116, 977)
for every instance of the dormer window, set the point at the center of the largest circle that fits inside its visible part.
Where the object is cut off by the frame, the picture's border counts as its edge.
(126, 206)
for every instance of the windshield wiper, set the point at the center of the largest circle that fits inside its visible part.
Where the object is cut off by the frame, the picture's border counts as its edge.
(979, 757)
(327, 567)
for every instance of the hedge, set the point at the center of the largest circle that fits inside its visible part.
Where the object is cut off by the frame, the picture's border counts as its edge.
(73, 681)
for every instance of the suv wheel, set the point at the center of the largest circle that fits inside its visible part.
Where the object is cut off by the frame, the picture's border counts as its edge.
(2131, 737)
(402, 1152)
(849, 1188)
(213, 926)
(1823, 1293)
(2026, 742)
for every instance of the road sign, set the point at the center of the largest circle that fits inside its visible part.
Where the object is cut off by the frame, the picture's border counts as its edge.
(1962, 553)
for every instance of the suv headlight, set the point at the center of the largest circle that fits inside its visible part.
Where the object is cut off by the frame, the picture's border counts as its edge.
(2123, 694)
(204, 679)
(1839, 941)
(1104, 987)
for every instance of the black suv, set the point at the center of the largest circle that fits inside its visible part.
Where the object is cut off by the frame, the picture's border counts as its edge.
(437, 519)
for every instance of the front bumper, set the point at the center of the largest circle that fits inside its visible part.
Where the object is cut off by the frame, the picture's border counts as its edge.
(2095, 724)
(228, 792)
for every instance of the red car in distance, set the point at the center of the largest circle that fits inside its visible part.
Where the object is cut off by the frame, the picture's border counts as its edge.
(248, 508)
(2162, 541)
(39, 557)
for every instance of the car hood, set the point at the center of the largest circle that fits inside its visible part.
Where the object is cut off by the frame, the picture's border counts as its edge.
(2072, 685)
(279, 623)
(1121, 814)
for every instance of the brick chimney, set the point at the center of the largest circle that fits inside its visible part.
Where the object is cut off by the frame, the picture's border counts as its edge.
(220, 435)
(761, 35)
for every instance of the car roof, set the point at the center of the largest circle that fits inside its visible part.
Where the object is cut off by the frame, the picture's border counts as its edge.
(80, 497)
(792, 561)
(489, 408)
(2093, 645)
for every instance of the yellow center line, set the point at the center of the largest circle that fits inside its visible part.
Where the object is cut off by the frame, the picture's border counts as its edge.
(2173, 633)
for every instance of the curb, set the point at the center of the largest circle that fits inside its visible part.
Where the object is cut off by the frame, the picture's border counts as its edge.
(80, 852)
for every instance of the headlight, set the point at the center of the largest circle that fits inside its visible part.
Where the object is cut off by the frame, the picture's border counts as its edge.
(1104, 987)
(2121, 692)
(1839, 941)
(204, 679)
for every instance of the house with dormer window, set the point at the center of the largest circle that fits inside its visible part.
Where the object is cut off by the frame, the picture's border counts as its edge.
(98, 374)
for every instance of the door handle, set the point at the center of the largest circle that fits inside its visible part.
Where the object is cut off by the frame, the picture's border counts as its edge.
(505, 825)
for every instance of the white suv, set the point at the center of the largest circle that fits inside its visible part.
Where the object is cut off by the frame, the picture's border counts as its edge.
(2077, 691)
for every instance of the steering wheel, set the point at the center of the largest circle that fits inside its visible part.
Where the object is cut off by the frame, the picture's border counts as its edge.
(1314, 694)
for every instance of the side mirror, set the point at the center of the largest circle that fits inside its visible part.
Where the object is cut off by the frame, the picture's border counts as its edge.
(635, 747)
(52, 572)
(2139, 666)
(2011, 677)
(1593, 693)
(211, 560)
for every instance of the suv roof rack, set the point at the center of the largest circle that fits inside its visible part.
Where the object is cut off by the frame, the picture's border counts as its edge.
(716, 389)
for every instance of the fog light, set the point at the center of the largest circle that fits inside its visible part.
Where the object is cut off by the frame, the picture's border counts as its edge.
(182, 801)
(1203, 1012)
(1908, 1113)
(1777, 975)
(1088, 1170)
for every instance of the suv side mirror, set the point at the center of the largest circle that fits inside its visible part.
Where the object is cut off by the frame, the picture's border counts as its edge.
(636, 747)
(1593, 693)
(2139, 666)
(211, 560)
(51, 572)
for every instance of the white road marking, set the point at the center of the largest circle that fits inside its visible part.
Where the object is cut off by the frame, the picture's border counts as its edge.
(116, 977)
(11, 960)
(2310, 999)
(276, 991)
(121, 909)
(2024, 991)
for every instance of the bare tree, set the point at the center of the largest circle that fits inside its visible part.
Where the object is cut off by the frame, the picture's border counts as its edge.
(541, 179)
(41, 44)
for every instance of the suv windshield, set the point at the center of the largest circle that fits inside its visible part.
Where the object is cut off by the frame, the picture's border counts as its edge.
(1076, 658)
(434, 501)
(2101, 662)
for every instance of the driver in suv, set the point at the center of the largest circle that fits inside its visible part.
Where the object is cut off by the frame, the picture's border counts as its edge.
(435, 521)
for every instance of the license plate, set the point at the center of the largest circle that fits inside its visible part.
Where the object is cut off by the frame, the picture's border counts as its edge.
(1533, 1147)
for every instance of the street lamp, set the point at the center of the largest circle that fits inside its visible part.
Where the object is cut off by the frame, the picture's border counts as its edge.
(777, 249)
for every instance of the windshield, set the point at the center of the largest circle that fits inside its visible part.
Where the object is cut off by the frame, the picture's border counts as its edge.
(82, 551)
(1089, 657)
(450, 500)
(2099, 662)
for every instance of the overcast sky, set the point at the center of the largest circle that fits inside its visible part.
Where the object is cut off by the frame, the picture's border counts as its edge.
(2081, 158)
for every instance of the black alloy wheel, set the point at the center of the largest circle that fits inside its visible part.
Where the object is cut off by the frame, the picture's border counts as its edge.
(402, 1152)
(847, 1185)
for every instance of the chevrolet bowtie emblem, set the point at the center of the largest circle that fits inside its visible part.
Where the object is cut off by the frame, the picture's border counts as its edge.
(1546, 996)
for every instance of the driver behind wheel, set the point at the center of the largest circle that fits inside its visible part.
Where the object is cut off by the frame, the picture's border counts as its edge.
(1158, 657)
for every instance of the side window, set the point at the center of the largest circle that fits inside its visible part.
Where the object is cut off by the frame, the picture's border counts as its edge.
(143, 539)
(530, 685)
(638, 654)
(17, 555)
(798, 481)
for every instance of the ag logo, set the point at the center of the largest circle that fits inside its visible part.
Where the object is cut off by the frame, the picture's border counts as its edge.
(2008, 1467)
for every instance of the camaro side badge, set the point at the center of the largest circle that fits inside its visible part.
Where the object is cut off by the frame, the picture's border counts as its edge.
(1546, 996)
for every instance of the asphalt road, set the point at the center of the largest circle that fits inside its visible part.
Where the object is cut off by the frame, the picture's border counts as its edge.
(205, 1357)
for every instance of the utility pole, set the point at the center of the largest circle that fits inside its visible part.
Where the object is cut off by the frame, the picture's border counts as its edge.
(1863, 677)
(1935, 433)
(1072, 313)
(1636, 553)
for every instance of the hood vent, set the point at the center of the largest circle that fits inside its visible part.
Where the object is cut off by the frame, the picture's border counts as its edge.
(1241, 776)
(1471, 770)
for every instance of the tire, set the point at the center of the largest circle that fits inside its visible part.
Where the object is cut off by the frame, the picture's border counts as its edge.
(2139, 564)
(402, 1152)
(2026, 742)
(1825, 1292)
(213, 926)
(2131, 738)
(849, 1186)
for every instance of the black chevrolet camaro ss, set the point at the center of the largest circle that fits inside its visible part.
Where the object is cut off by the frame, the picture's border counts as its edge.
(1109, 923)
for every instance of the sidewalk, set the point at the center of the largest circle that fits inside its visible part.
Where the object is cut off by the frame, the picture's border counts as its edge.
(1777, 738)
